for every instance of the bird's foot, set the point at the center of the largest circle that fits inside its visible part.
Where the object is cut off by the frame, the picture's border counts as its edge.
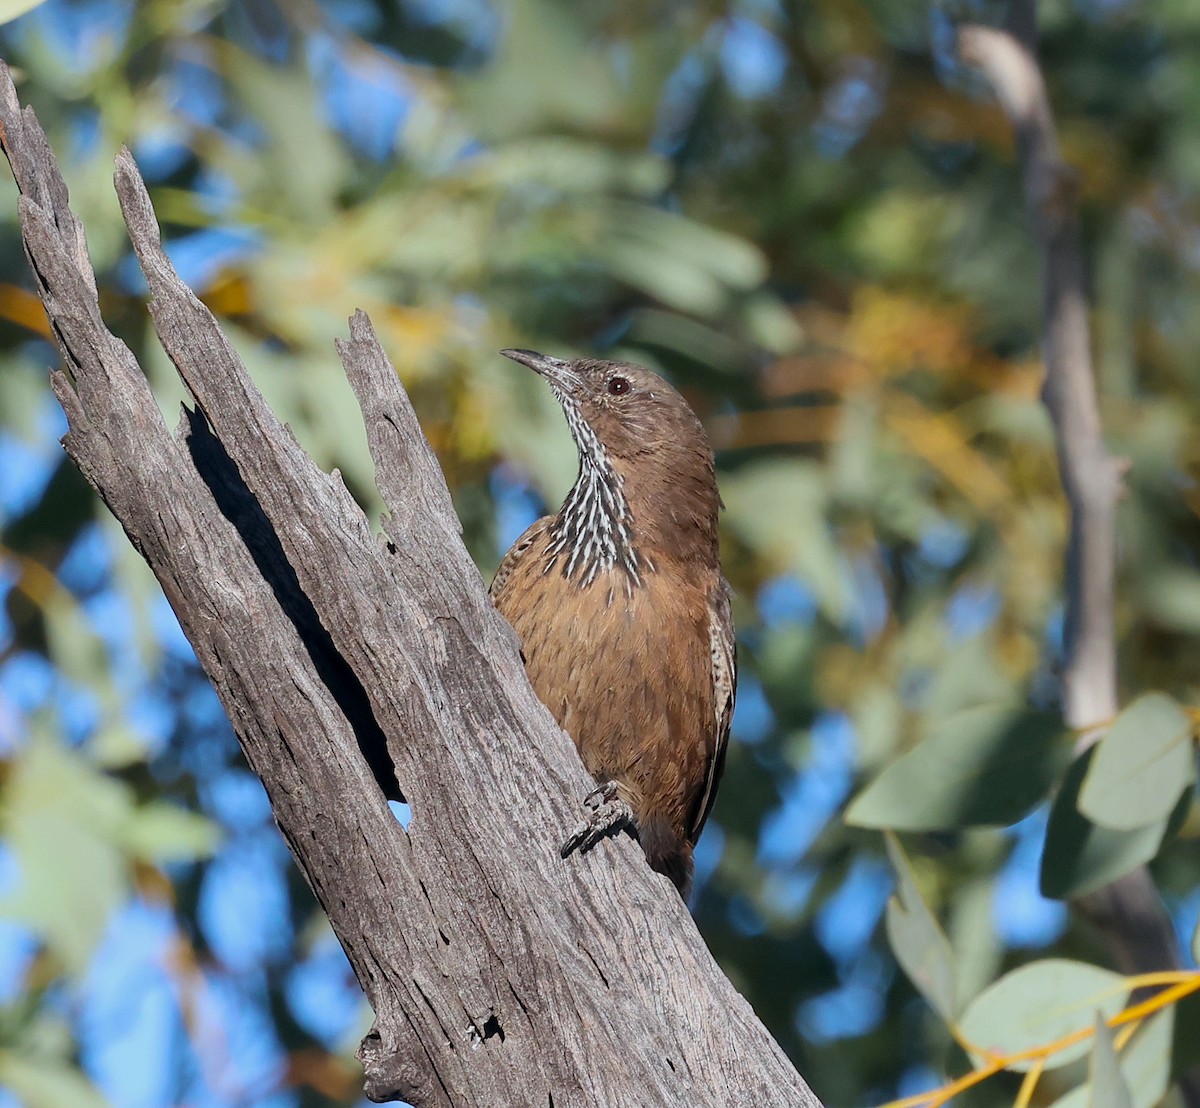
(601, 795)
(609, 816)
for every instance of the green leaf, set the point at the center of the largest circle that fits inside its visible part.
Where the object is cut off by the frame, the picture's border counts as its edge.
(162, 832)
(285, 105)
(547, 78)
(1076, 1098)
(115, 746)
(78, 652)
(970, 678)
(1108, 1088)
(1038, 1004)
(1171, 595)
(1079, 856)
(780, 509)
(59, 821)
(678, 261)
(10, 9)
(1144, 1074)
(1141, 765)
(1146, 1060)
(980, 766)
(918, 942)
(70, 881)
(46, 1082)
(971, 929)
(22, 389)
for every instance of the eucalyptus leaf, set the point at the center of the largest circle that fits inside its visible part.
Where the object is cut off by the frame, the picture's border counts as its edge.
(161, 832)
(59, 820)
(70, 880)
(1142, 764)
(549, 77)
(1080, 856)
(78, 652)
(285, 105)
(1107, 1083)
(1146, 1059)
(47, 1082)
(1038, 1004)
(970, 678)
(1144, 1072)
(779, 507)
(917, 940)
(10, 9)
(981, 766)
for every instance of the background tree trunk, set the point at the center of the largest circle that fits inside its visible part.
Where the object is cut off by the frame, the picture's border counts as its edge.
(499, 974)
(1129, 912)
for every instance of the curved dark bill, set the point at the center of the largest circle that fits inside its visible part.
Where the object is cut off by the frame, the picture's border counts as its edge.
(555, 370)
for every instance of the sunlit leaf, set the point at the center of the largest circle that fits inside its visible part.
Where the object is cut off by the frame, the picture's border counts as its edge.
(971, 930)
(22, 392)
(1145, 760)
(1172, 597)
(1038, 1004)
(71, 831)
(114, 746)
(74, 645)
(10, 9)
(546, 75)
(47, 1082)
(162, 832)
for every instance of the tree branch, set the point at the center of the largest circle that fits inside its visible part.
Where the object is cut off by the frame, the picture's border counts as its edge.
(1091, 476)
(499, 974)
(1129, 912)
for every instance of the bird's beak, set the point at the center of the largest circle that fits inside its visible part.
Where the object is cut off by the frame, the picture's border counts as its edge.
(559, 373)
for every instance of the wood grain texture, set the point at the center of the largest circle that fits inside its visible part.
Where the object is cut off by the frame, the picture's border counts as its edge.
(499, 973)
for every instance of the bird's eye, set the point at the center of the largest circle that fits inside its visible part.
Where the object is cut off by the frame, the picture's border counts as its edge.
(618, 386)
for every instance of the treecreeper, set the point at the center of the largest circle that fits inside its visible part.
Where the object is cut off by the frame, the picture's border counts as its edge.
(622, 611)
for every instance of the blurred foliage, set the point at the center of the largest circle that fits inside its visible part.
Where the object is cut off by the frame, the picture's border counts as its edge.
(810, 218)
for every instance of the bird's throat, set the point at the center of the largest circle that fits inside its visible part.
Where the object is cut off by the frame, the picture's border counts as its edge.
(593, 532)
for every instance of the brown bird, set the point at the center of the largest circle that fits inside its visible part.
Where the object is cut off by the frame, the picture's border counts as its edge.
(623, 613)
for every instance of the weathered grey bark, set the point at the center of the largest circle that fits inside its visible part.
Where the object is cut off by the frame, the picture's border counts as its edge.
(499, 973)
(1129, 913)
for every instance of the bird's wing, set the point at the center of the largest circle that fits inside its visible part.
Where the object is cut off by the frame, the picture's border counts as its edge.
(528, 537)
(724, 670)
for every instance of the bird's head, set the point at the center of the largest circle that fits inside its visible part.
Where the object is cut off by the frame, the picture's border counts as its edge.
(626, 410)
(645, 467)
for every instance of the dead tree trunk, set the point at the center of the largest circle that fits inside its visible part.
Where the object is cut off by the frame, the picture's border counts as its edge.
(499, 974)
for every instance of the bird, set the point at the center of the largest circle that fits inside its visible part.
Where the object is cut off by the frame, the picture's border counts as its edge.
(623, 613)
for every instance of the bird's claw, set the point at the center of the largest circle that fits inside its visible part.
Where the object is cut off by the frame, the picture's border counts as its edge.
(602, 794)
(609, 816)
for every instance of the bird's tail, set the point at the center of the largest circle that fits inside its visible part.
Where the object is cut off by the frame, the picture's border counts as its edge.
(667, 852)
